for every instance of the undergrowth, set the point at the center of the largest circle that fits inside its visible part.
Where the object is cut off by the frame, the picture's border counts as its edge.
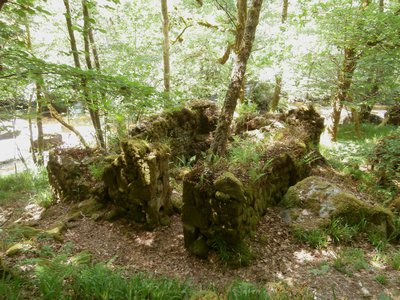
(353, 156)
(26, 186)
(63, 276)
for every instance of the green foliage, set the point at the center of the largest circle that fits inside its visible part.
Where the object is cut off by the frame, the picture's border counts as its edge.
(386, 160)
(22, 185)
(96, 169)
(186, 162)
(235, 256)
(340, 231)
(322, 269)
(249, 154)
(314, 237)
(349, 153)
(350, 259)
(395, 260)
(246, 291)
(378, 240)
(10, 288)
(247, 109)
(381, 278)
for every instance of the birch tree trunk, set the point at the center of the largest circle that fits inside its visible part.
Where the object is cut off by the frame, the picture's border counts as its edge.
(239, 70)
(164, 10)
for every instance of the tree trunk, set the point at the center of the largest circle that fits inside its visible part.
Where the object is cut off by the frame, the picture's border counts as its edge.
(72, 39)
(277, 92)
(241, 6)
(39, 160)
(345, 79)
(93, 110)
(164, 10)
(60, 119)
(222, 132)
(39, 123)
(279, 77)
(356, 121)
(33, 148)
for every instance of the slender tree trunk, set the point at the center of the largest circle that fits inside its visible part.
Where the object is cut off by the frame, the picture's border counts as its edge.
(345, 79)
(93, 110)
(60, 119)
(33, 148)
(279, 77)
(71, 34)
(39, 103)
(39, 122)
(167, 71)
(239, 69)
(277, 92)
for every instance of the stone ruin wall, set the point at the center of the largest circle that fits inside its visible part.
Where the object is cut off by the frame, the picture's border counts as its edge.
(137, 180)
(222, 204)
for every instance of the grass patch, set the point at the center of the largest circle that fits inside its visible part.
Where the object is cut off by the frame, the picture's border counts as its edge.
(395, 260)
(25, 185)
(314, 237)
(382, 279)
(350, 152)
(246, 291)
(238, 256)
(349, 260)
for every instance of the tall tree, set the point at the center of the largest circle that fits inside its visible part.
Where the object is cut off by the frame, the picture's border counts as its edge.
(40, 103)
(238, 72)
(87, 37)
(164, 10)
(92, 106)
(345, 78)
(278, 77)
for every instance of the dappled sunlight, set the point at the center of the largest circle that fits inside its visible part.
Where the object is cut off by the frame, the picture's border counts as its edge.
(303, 256)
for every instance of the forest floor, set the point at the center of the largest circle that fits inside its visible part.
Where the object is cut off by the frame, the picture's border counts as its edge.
(280, 260)
(281, 263)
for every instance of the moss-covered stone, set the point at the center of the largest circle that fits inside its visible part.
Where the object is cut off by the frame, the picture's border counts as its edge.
(138, 181)
(18, 248)
(314, 202)
(200, 248)
(225, 201)
(187, 129)
(228, 186)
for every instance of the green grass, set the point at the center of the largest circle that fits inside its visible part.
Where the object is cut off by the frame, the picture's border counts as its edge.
(26, 186)
(314, 237)
(351, 152)
(381, 278)
(395, 260)
(62, 276)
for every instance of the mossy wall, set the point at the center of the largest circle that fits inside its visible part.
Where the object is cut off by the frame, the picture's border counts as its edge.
(186, 130)
(222, 202)
(70, 175)
(138, 181)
